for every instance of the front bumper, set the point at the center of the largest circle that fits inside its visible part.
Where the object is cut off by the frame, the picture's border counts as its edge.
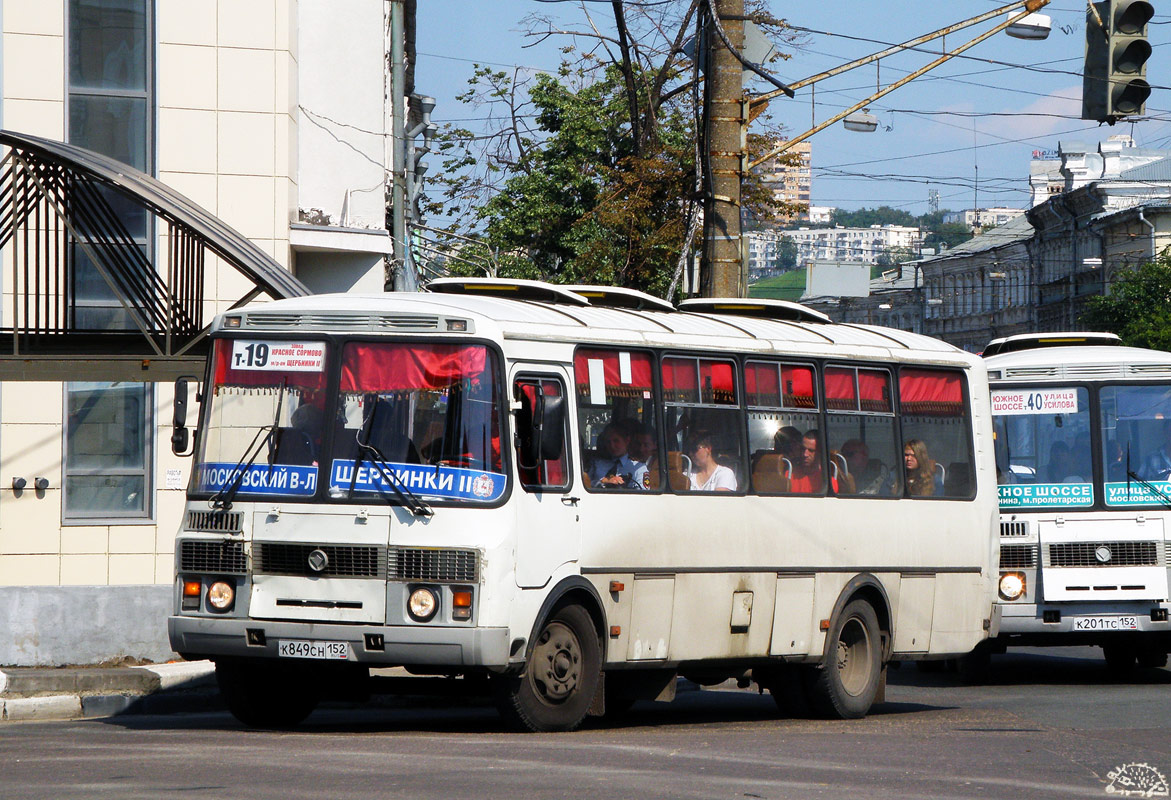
(207, 637)
(1023, 623)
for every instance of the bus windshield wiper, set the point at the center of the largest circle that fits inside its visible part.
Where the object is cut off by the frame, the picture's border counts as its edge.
(222, 499)
(405, 496)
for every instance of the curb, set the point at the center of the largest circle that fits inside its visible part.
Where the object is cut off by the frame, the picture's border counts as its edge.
(28, 694)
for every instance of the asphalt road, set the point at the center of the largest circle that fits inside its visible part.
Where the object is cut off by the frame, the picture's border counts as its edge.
(1050, 724)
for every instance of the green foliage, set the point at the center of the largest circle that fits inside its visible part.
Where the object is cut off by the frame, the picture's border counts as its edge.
(865, 217)
(1138, 307)
(950, 233)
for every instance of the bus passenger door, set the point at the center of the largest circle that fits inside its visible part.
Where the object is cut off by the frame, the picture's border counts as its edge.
(548, 531)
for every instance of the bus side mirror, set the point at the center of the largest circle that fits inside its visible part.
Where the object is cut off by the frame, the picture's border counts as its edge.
(552, 422)
(540, 427)
(180, 436)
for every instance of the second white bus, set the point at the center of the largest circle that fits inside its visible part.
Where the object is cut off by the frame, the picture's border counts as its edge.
(1083, 446)
(580, 495)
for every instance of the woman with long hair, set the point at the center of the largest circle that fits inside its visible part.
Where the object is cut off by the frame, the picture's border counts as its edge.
(920, 469)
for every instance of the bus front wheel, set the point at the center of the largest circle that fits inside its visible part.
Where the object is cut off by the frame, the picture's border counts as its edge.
(847, 682)
(264, 695)
(560, 677)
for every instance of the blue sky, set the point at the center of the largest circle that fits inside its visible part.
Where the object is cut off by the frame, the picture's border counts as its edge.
(965, 114)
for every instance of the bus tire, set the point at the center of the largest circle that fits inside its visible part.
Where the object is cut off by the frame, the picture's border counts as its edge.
(1152, 657)
(1120, 658)
(560, 677)
(845, 685)
(267, 695)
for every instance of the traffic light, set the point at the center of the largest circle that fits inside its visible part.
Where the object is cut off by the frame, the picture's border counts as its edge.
(1114, 80)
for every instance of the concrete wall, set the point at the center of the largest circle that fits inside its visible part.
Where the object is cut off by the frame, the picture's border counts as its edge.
(84, 624)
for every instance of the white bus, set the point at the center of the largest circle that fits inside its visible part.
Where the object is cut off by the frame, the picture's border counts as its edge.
(574, 496)
(1083, 452)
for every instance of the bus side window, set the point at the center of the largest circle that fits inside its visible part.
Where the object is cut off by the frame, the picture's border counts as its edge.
(616, 421)
(860, 431)
(782, 407)
(935, 420)
(538, 474)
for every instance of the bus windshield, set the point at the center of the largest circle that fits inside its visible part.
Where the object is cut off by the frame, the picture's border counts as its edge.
(409, 420)
(1136, 444)
(266, 400)
(1043, 447)
(420, 417)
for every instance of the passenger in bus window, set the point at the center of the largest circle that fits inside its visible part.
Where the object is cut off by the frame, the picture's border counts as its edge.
(706, 475)
(1157, 465)
(614, 468)
(871, 476)
(787, 442)
(808, 477)
(645, 449)
(920, 469)
(1115, 461)
(1063, 467)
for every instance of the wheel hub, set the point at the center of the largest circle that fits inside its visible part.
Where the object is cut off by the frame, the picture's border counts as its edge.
(556, 658)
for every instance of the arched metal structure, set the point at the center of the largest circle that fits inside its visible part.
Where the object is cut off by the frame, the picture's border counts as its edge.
(60, 204)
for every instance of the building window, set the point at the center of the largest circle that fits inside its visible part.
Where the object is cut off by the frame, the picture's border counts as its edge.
(110, 109)
(108, 458)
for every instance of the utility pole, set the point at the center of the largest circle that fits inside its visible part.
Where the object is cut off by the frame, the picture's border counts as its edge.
(403, 279)
(721, 265)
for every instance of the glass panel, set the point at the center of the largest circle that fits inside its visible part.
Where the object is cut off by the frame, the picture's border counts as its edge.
(105, 496)
(421, 416)
(1043, 447)
(1136, 444)
(548, 473)
(265, 419)
(937, 439)
(704, 450)
(107, 449)
(774, 439)
(107, 44)
(616, 419)
(113, 126)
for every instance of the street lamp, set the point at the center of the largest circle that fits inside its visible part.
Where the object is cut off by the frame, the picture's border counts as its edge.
(861, 121)
(1033, 26)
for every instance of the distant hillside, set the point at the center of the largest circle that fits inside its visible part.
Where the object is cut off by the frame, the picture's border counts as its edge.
(789, 286)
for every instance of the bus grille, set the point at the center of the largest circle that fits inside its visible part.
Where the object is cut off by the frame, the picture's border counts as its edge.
(1118, 554)
(423, 564)
(206, 555)
(272, 320)
(1018, 556)
(1010, 530)
(343, 561)
(215, 521)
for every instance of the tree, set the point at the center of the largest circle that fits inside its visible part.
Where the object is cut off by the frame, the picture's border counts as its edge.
(1138, 307)
(865, 217)
(947, 233)
(589, 175)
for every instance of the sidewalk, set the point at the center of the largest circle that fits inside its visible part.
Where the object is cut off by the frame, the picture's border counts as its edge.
(51, 693)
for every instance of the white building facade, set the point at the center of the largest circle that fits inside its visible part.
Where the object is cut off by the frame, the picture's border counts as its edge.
(270, 114)
(854, 244)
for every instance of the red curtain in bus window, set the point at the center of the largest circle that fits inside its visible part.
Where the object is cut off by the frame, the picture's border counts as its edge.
(841, 393)
(641, 372)
(717, 382)
(680, 380)
(798, 384)
(374, 367)
(225, 375)
(874, 390)
(762, 384)
(929, 392)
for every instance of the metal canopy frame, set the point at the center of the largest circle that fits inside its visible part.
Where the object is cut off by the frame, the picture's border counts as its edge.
(55, 202)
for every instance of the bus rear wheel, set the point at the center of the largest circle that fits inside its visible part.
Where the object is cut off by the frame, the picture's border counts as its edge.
(846, 684)
(560, 677)
(267, 695)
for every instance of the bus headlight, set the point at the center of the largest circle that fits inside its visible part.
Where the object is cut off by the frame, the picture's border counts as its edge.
(422, 605)
(1012, 585)
(221, 595)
